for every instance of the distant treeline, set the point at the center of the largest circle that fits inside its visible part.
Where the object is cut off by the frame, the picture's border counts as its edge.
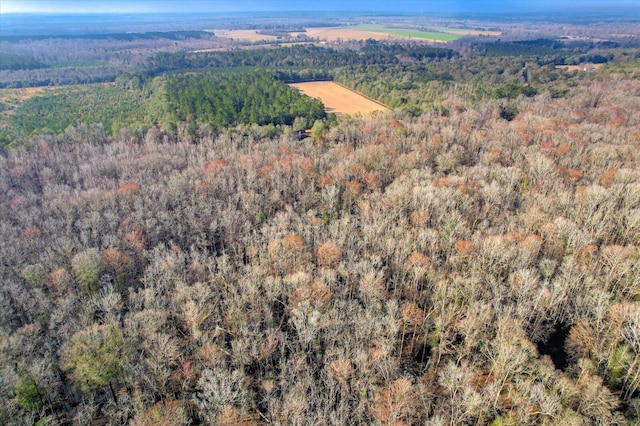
(169, 35)
(307, 56)
(543, 46)
(19, 62)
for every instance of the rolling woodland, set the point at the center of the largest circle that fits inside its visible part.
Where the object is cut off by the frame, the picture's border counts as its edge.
(471, 258)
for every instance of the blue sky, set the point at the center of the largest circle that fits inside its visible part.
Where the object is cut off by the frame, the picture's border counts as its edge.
(168, 6)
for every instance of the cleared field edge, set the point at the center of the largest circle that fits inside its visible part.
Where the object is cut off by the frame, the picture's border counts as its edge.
(582, 67)
(244, 35)
(387, 107)
(332, 34)
(334, 99)
(436, 36)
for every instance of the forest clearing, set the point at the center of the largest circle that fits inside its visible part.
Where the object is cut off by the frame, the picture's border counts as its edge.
(380, 33)
(339, 99)
(580, 67)
(413, 34)
(332, 34)
(467, 31)
(12, 98)
(244, 35)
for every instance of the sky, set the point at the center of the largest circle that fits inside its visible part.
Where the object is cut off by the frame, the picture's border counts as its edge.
(207, 6)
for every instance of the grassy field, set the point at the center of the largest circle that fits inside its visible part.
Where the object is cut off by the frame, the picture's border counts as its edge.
(339, 99)
(378, 32)
(414, 34)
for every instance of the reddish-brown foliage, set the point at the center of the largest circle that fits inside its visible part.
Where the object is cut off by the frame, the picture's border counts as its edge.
(315, 294)
(495, 156)
(306, 165)
(357, 171)
(395, 401)
(353, 187)
(216, 165)
(419, 218)
(135, 239)
(582, 340)
(166, 413)
(607, 178)
(412, 314)
(113, 258)
(342, 370)
(129, 188)
(586, 253)
(30, 233)
(60, 280)
(531, 244)
(328, 254)
(513, 236)
(372, 288)
(575, 175)
(442, 182)
(233, 416)
(418, 260)
(293, 243)
(463, 247)
(372, 181)
(265, 171)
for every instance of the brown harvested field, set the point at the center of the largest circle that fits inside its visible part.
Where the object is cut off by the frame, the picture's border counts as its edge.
(244, 35)
(473, 32)
(339, 99)
(580, 67)
(345, 33)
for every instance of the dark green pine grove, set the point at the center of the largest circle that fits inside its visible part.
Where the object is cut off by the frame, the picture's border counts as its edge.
(223, 100)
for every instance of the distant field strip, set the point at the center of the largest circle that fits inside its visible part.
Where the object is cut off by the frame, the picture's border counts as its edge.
(339, 99)
(344, 33)
(244, 35)
(581, 67)
(464, 31)
(414, 34)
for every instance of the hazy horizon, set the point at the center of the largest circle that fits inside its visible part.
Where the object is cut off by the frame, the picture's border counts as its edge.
(214, 6)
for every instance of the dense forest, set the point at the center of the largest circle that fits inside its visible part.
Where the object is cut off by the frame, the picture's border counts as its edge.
(221, 100)
(410, 78)
(450, 269)
(28, 61)
(177, 251)
(216, 100)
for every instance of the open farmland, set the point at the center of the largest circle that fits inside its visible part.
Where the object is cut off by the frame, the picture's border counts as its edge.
(465, 31)
(339, 99)
(244, 35)
(377, 32)
(345, 33)
(413, 34)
